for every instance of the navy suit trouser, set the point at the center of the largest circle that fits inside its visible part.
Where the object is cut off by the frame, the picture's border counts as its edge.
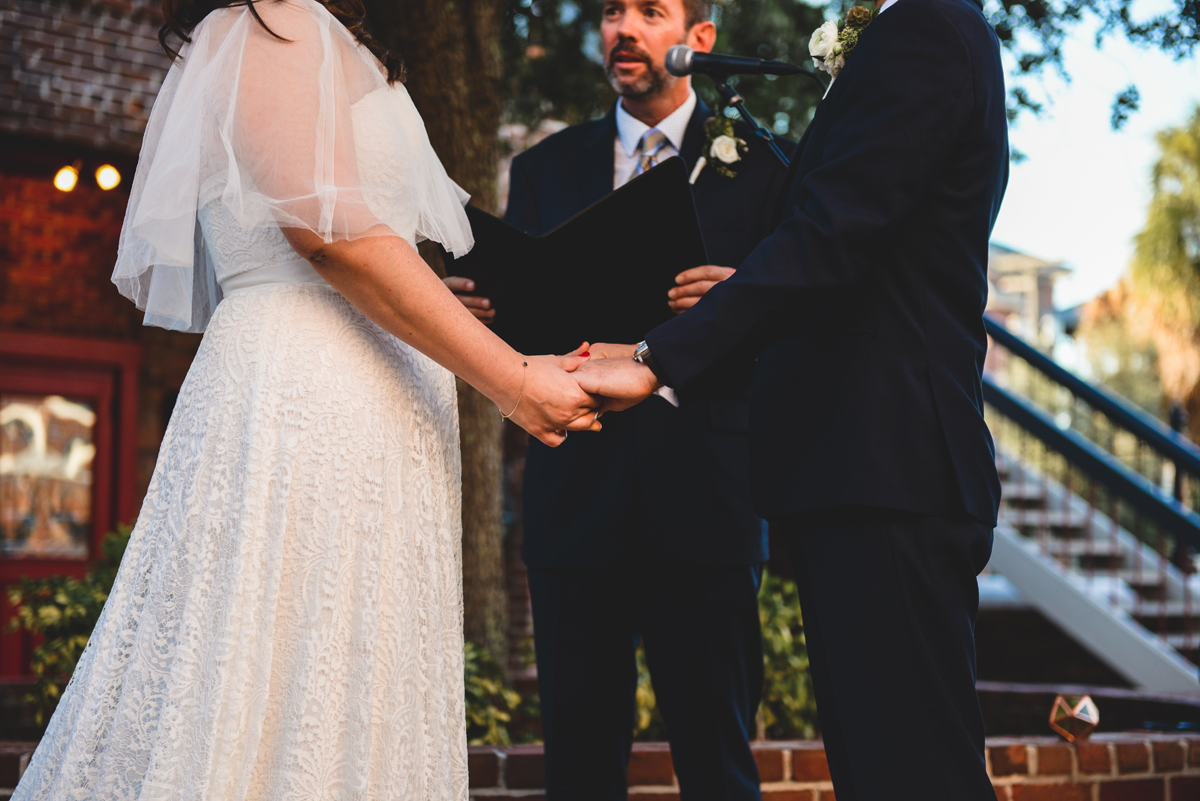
(703, 643)
(889, 602)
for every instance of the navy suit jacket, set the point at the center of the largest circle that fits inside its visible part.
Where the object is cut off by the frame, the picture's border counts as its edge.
(871, 291)
(671, 482)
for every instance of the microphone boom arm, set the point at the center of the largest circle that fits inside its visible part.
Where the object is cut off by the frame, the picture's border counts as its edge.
(734, 101)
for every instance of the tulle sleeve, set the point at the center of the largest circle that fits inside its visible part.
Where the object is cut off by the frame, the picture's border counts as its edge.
(266, 125)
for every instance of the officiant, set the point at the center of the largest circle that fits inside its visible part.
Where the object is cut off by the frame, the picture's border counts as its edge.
(645, 531)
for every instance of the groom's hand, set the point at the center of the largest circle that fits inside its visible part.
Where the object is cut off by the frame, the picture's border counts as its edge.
(480, 307)
(693, 284)
(621, 382)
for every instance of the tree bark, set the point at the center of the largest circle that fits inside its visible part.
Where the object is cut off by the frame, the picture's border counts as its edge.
(452, 52)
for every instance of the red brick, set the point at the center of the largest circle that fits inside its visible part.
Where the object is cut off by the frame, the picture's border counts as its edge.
(792, 795)
(653, 796)
(1051, 792)
(827, 795)
(1133, 758)
(483, 766)
(1054, 760)
(809, 765)
(1168, 756)
(1008, 760)
(770, 764)
(1141, 790)
(1194, 749)
(1185, 788)
(1093, 758)
(651, 766)
(526, 768)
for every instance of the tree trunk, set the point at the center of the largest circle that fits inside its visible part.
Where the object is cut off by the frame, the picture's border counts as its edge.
(452, 51)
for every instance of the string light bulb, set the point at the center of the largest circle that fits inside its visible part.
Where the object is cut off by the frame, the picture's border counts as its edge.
(107, 177)
(66, 178)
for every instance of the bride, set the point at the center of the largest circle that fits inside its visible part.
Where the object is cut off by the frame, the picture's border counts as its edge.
(287, 621)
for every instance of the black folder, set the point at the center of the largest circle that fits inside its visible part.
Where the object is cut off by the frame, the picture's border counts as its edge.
(601, 276)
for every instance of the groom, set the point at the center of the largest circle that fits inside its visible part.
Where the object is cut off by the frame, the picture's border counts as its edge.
(868, 443)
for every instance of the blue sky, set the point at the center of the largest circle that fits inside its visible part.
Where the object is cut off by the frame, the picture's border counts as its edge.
(1081, 195)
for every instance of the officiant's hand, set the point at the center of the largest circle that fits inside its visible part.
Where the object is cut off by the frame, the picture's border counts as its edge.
(693, 284)
(480, 307)
(620, 381)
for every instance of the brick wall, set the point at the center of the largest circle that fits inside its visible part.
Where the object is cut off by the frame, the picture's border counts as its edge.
(57, 252)
(1118, 767)
(84, 72)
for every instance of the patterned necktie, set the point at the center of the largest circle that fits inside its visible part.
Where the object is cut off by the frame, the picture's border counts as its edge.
(646, 155)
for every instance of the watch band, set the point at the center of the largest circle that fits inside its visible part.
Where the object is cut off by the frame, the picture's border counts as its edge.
(642, 354)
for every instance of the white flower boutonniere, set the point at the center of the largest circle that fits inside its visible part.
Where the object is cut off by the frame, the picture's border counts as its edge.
(721, 146)
(832, 44)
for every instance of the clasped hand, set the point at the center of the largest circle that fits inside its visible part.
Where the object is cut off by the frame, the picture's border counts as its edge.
(571, 392)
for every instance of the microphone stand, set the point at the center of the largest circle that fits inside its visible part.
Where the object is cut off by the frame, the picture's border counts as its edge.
(734, 101)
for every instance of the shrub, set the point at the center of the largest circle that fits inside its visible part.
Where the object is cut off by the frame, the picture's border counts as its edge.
(490, 702)
(789, 709)
(64, 610)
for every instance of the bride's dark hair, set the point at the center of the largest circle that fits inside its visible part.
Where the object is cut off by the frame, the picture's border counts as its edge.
(180, 17)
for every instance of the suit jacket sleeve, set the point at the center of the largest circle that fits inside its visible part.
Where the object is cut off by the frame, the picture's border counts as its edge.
(896, 114)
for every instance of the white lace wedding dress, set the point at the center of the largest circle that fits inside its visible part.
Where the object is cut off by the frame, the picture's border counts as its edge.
(287, 621)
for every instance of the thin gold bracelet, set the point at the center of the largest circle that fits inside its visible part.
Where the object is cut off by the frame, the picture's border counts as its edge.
(520, 395)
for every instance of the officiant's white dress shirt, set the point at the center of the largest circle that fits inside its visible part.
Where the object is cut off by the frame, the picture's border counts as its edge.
(630, 131)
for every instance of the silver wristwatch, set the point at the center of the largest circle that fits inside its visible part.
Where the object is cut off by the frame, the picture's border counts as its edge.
(641, 354)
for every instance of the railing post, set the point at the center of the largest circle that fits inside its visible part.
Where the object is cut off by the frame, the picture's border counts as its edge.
(1178, 420)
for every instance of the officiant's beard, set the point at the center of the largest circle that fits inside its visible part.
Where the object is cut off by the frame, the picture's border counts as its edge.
(653, 82)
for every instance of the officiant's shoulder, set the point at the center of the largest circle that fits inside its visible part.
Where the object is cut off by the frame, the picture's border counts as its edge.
(567, 143)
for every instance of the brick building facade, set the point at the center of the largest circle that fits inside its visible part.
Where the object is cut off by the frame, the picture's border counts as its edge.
(76, 86)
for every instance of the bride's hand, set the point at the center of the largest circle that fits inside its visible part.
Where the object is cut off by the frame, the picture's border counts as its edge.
(552, 401)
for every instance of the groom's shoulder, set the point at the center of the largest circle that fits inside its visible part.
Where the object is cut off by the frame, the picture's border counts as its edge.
(933, 16)
(563, 144)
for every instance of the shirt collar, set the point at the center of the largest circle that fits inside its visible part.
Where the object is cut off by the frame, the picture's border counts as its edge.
(886, 6)
(630, 129)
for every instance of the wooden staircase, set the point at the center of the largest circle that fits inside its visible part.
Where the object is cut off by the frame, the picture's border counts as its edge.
(1101, 558)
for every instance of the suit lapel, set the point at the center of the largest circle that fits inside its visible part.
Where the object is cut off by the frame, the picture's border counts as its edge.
(693, 144)
(595, 164)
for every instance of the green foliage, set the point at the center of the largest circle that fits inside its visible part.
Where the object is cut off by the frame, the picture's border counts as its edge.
(490, 702)
(648, 724)
(789, 708)
(1034, 32)
(64, 610)
(1166, 261)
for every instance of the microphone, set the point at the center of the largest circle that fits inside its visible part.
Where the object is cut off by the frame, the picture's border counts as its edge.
(683, 60)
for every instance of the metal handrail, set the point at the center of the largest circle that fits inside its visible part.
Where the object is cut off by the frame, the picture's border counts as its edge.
(1131, 487)
(1169, 444)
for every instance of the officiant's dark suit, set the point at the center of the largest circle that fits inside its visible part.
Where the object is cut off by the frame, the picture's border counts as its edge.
(867, 436)
(647, 527)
